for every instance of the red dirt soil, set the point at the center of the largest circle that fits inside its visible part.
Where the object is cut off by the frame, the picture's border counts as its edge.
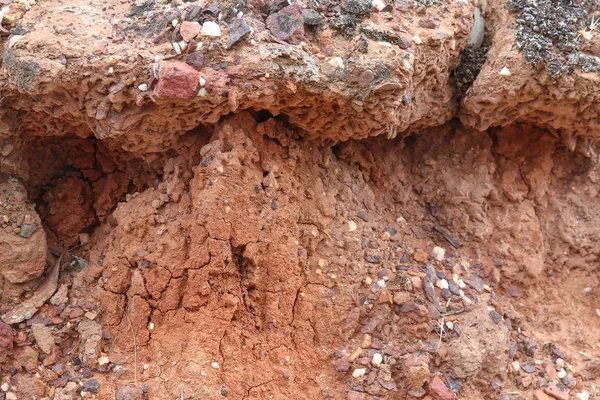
(292, 232)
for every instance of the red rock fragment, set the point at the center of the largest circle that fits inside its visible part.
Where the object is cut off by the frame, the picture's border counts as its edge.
(557, 391)
(438, 390)
(178, 80)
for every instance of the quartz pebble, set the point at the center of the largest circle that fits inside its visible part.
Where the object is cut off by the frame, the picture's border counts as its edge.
(210, 29)
(359, 372)
(376, 360)
(215, 365)
(583, 395)
(352, 226)
(438, 253)
(337, 62)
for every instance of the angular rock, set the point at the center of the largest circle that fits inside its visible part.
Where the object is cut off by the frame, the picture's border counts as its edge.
(557, 390)
(6, 337)
(237, 30)
(90, 334)
(196, 60)
(476, 283)
(189, 30)
(178, 80)
(287, 24)
(438, 389)
(43, 337)
(311, 17)
(91, 386)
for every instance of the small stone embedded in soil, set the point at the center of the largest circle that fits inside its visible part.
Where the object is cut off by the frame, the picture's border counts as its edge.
(583, 395)
(287, 24)
(210, 29)
(442, 284)
(129, 393)
(189, 30)
(557, 390)
(359, 372)
(496, 318)
(91, 386)
(420, 256)
(237, 30)
(178, 80)
(337, 62)
(376, 360)
(453, 287)
(438, 253)
(43, 337)
(529, 368)
(214, 365)
(476, 283)
(195, 60)
(6, 336)
(438, 389)
(341, 365)
(311, 17)
(352, 226)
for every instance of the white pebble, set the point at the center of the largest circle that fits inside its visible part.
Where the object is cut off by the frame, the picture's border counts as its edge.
(467, 300)
(368, 281)
(211, 29)
(151, 326)
(11, 396)
(381, 283)
(202, 81)
(215, 365)
(487, 288)
(505, 72)
(442, 284)
(337, 62)
(516, 366)
(143, 87)
(560, 362)
(352, 226)
(359, 372)
(4, 387)
(103, 360)
(450, 325)
(174, 23)
(202, 92)
(562, 373)
(176, 47)
(461, 284)
(376, 360)
(417, 39)
(378, 5)
(438, 253)
(583, 395)
(13, 40)
(587, 291)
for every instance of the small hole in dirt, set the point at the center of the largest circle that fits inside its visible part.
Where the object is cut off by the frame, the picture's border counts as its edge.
(77, 182)
(261, 115)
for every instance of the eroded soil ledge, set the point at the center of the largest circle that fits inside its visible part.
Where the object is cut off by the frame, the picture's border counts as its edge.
(303, 207)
